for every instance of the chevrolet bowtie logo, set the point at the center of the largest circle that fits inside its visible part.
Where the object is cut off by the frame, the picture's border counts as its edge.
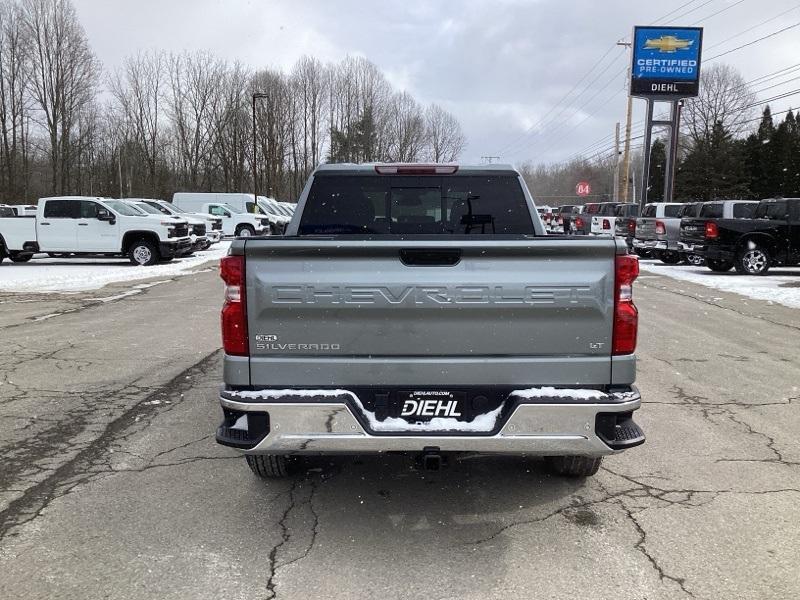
(668, 43)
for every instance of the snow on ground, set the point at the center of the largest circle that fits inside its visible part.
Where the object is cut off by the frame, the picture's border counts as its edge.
(80, 274)
(781, 285)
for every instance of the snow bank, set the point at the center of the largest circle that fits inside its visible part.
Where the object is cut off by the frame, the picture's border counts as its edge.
(80, 274)
(752, 286)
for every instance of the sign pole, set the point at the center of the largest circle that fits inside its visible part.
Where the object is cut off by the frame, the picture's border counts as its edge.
(672, 155)
(648, 131)
(615, 196)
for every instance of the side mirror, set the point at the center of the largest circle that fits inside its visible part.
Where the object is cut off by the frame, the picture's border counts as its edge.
(104, 215)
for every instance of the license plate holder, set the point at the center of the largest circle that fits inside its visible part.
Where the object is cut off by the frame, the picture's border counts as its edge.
(419, 406)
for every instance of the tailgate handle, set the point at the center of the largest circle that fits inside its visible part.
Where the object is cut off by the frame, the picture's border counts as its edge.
(430, 257)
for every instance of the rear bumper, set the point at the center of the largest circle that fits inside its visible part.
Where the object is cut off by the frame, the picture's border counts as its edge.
(322, 422)
(655, 244)
(691, 248)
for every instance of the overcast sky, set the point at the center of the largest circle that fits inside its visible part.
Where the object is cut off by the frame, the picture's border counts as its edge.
(502, 67)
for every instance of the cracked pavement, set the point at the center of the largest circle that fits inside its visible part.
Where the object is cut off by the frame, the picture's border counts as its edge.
(112, 486)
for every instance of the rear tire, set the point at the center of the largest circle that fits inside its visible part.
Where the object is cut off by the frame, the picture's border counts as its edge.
(574, 466)
(752, 261)
(719, 266)
(269, 466)
(20, 258)
(669, 257)
(143, 253)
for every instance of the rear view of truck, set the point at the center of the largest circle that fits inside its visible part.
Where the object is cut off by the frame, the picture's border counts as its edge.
(423, 309)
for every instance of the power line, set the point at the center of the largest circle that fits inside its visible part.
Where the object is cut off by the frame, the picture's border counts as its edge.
(672, 12)
(541, 121)
(761, 39)
(789, 70)
(720, 11)
(749, 29)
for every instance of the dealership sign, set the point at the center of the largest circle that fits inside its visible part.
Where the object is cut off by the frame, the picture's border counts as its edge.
(666, 61)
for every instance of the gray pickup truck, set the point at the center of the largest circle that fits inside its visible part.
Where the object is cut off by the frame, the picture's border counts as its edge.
(423, 309)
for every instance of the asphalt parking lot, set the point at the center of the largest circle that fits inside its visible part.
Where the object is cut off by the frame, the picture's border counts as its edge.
(112, 486)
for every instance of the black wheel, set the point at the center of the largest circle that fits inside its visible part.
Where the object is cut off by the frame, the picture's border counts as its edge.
(574, 466)
(20, 258)
(245, 231)
(669, 257)
(719, 266)
(753, 260)
(143, 253)
(269, 466)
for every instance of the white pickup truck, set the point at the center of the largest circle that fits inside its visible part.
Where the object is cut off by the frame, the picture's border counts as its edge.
(73, 226)
(236, 221)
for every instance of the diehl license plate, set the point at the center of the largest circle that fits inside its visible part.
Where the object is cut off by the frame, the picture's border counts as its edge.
(425, 405)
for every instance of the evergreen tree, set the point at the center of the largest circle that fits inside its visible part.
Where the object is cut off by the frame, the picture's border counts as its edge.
(792, 163)
(714, 168)
(760, 158)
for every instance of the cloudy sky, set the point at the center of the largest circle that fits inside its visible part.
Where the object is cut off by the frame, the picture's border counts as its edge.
(504, 67)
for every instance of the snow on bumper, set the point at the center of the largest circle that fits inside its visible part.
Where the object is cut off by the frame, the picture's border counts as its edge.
(538, 421)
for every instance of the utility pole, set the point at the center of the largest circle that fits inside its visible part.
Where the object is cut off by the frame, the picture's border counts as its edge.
(489, 159)
(615, 194)
(626, 153)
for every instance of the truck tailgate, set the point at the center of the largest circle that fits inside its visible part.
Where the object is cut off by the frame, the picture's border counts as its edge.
(341, 312)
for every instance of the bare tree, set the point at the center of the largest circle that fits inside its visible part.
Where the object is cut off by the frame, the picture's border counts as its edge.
(406, 128)
(64, 77)
(195, 81)
(232, 128)
(138, 90)
(445, 139)
(724, 98)
(309, 81)
(14, 110)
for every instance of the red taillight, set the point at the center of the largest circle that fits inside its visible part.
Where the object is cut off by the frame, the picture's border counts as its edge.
(234, 313)
(578, 223)
(712, 231)
(660, 228)
(560, 220)
(626, 317)
(631, 226)
(606, 224)
(415, 169)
